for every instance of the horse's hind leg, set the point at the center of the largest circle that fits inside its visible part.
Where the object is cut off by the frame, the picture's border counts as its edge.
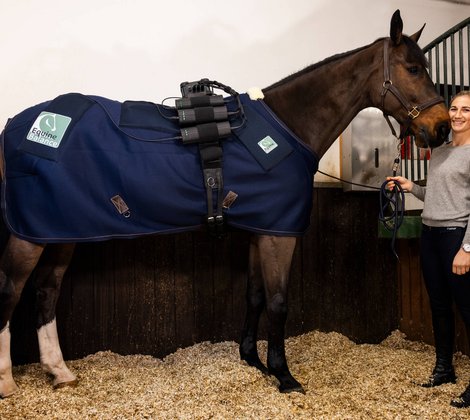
(17, 263)
(255, 298)
(275, 258)
(50, 273)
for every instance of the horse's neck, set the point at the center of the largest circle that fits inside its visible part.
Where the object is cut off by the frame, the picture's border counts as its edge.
(318, 105)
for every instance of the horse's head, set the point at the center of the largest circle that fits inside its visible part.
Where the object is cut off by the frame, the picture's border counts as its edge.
(408, 92)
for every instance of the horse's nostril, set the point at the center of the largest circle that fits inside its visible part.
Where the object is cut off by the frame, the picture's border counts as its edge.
(443, 130)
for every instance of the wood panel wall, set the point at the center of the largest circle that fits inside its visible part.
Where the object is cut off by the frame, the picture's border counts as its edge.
(156, 294)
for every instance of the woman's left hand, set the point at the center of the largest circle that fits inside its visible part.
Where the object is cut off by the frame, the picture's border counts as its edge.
(461, 263)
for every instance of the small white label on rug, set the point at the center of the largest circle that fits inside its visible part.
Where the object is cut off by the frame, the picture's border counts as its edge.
(49, 129)
(267, 144)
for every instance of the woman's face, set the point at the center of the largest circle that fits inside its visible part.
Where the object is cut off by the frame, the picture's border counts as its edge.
(459, 113)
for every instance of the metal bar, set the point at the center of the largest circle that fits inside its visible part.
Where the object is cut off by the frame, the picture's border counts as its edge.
(468, 54)
(438, 62)
(418, 161)
(454, 91)
(405, 151)
(446, 34)
(445, 69)
(430, 64)
(452, 63)
(425, 166)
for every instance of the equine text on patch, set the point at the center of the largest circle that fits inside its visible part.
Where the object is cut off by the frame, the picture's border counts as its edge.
(49, 129)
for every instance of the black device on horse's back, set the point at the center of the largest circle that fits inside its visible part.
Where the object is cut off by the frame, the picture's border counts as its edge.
(207, 117)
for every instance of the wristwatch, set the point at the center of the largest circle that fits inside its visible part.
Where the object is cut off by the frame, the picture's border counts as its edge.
(466, 247)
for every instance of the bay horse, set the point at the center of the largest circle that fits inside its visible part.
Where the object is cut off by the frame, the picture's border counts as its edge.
(316, 103)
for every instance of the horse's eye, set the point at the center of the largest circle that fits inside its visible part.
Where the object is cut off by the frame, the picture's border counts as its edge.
(413, 69)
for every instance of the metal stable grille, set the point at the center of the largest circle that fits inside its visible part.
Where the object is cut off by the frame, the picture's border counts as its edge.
(448, 57)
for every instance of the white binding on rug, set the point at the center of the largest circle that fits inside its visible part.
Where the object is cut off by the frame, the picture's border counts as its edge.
(255, 93)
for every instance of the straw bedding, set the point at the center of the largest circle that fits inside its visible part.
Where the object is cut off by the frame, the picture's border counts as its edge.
(343, 380)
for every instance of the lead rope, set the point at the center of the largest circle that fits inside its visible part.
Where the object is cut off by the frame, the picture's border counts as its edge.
(392, 204)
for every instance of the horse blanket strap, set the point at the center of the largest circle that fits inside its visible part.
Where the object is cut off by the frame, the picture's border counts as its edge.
(121, 170)
(204, 119)
(211, 161)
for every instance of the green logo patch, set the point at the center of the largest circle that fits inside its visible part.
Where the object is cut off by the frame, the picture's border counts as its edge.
(49, 129)
(267, 144)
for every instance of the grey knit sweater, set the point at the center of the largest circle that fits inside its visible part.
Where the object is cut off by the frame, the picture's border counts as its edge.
(447, 193)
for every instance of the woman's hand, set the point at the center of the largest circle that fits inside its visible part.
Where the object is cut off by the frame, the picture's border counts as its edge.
(405, 184)
(461, 263)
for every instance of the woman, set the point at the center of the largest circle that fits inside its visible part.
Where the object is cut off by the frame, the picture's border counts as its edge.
(445, 240)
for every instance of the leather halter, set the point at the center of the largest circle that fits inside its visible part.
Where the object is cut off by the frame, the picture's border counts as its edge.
(413, 110)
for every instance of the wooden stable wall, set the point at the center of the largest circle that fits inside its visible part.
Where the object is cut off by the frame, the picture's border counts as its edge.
(156, 294)
(414, 310)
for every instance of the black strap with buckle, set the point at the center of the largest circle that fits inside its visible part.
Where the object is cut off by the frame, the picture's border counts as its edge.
(204, 120)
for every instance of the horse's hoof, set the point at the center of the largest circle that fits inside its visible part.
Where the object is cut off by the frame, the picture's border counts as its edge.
(72, 384)
(256, 363)
(8, 391)
(287, 390)
(289, 384)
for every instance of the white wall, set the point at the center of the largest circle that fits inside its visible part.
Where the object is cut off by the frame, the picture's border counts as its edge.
(143, 49)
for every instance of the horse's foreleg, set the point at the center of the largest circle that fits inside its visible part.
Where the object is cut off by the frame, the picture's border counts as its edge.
(17, 263)
(276, 257)
(7, 383)
(49, 277)
(255, 298)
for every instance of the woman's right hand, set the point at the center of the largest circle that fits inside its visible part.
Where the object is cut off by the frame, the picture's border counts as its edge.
(405, 184)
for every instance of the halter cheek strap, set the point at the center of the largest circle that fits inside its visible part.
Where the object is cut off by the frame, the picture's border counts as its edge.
(413, 110)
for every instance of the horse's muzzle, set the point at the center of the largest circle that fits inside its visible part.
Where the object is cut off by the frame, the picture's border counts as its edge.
(443, 130)
(432, 138)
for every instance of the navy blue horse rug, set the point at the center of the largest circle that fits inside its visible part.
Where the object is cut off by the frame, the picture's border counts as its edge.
(86, 168)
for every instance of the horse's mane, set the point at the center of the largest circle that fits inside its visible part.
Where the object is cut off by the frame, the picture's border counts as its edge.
(417, 52)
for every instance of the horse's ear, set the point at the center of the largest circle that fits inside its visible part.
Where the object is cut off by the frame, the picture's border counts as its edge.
(416, 36)
(396, 28)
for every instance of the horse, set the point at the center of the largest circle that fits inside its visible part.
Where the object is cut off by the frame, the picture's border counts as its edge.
(316, 104)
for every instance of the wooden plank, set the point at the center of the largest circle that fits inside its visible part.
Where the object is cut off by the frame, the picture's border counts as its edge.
(165, 315)
(404, 287)
(84, 327)
(184, 290)
(123, 267)
(325, 269)
(222, 289)
(143, 302)
(103, 302)
(203, 286)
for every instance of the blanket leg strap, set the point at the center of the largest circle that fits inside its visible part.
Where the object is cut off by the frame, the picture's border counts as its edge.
(211, 160)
